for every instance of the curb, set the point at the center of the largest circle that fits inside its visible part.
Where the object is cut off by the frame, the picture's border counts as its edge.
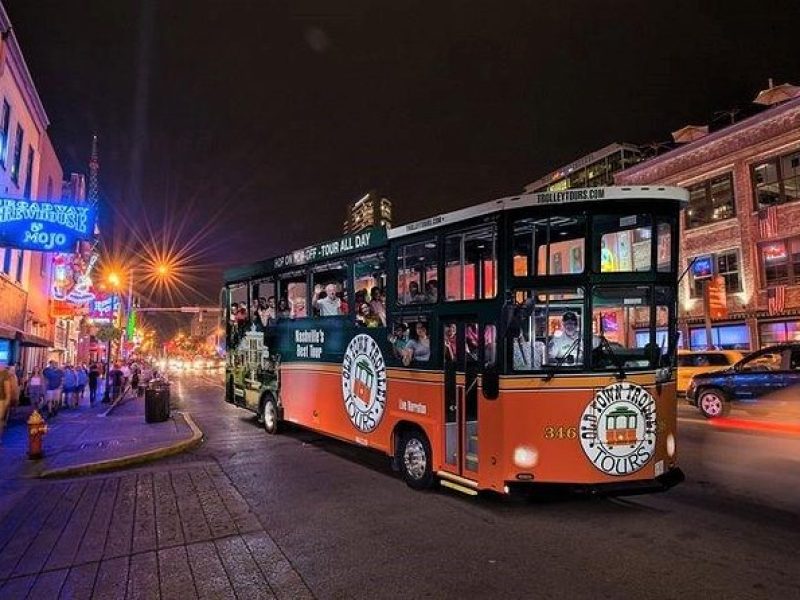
(131, 459)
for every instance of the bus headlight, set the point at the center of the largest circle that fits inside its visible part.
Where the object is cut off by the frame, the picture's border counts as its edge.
(670, 445)
(526, 457)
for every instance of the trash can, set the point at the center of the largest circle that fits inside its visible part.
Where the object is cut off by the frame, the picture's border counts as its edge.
(156, 402)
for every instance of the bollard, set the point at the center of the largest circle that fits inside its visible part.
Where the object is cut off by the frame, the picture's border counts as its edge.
(37, 427)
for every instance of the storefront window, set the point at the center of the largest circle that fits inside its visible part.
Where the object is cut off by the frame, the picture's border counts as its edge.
(711, 201)
(725, 264)
(726, 337)
(779, 332)
(780, 261)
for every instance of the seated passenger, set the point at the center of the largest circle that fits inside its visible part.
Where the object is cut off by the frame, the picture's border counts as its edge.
(414, 296)
(566, 346)
(450, 345)
(378, 305)
(431, 291)
(399, 339)
(367, 318)
(418, 349)
(283, 311)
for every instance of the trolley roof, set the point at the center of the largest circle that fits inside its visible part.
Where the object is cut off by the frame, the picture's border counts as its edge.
(376, 237)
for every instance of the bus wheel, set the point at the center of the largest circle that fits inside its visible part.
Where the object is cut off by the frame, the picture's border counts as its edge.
(229, 391)
(269, 414)
(415, 460)
(713, 403)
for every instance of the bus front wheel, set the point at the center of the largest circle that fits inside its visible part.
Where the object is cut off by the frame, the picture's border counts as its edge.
(269, 414)
(415, 459)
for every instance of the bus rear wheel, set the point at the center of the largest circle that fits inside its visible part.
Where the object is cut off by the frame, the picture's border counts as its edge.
(269, 415)
(415, 459)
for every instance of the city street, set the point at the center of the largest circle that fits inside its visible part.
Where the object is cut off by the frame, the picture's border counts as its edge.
(300, 515)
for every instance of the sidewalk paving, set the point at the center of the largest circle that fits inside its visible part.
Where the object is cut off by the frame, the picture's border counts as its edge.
(85, 439)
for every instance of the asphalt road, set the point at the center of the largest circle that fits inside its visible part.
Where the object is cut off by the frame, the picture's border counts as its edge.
(351, 528)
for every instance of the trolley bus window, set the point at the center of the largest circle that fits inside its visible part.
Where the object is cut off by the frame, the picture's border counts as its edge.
(664, 247)
(622, 243)
(265, 303)
(292, 295)
(238, 316)
(411, 341)
(329, 298)
(417, 281)
(470, 272)
(369, 283)
(550, 333)
(557, 244)
(622, 334)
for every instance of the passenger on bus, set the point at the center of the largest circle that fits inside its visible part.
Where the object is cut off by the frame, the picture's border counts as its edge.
(450, 344)
(283, 311)
(418, 349)
(329, 304)
(399, 339)
(344, 307)
(378, 304)
(414, 296)
(527, 355)
(566, 346)
(367, 318)
(431, 291)
(471, 341)
(298, 307)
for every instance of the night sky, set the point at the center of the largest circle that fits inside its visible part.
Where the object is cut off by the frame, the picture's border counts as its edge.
(261, 120)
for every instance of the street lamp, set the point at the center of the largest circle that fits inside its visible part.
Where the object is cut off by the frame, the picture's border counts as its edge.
(113, 281)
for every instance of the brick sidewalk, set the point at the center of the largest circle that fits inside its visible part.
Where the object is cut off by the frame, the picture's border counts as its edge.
(183, 533)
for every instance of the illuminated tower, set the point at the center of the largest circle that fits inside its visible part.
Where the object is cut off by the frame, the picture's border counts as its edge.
(94, 171)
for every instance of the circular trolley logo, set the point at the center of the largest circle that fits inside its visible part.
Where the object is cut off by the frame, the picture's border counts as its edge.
(618, 428)
(364, 383)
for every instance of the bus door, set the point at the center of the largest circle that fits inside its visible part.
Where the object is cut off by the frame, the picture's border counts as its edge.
(461, 352)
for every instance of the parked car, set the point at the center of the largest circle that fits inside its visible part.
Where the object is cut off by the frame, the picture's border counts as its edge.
(691, 363)
(769, 370)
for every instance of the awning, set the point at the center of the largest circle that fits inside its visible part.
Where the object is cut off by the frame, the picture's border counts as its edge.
(28, 339)
(8, 333)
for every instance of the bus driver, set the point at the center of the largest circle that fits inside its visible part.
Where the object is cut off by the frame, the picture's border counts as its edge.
(566, 348)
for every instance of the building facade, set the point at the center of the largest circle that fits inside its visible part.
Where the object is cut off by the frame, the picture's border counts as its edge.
(25, 325)
(593, 170)
(742, 225)
(373, 210)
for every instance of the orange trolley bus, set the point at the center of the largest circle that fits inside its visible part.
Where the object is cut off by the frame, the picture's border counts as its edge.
(526, 340)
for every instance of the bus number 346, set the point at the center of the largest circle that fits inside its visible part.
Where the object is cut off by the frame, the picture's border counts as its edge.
(560, 432)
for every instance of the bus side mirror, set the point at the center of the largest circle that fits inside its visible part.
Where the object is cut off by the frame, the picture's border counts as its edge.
(491, 383)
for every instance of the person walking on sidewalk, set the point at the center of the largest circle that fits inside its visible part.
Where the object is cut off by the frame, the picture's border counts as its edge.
(53, 377)
(116, 376)
(13, 379)
(70, 387)
(5, 399)
(36, 389)
(83, 379)
(94, 376)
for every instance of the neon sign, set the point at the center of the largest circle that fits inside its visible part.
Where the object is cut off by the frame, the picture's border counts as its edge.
(45, 226)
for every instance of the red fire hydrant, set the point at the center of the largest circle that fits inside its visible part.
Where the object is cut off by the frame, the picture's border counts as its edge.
(37, 427)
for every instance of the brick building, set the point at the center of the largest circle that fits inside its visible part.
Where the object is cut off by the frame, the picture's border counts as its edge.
(742, 224)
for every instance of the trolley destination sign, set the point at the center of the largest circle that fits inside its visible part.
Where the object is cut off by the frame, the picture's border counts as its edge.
(45, 226)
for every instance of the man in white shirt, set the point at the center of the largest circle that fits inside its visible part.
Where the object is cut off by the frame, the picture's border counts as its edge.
(566, 346)
(329, 305)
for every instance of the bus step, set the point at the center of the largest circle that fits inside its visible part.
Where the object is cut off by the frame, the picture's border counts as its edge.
(458, 487)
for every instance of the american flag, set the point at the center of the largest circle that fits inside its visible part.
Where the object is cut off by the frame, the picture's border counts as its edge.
(768, 222)
(776, 299)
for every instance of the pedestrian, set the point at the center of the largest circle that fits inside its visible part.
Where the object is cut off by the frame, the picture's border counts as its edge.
(94, 376)
(5, 399)
(126, 377)
(83, 379)
(70, 387)
(116, 377)
(53, 377)
(35, 389)
(13, 378)
(135, 375)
